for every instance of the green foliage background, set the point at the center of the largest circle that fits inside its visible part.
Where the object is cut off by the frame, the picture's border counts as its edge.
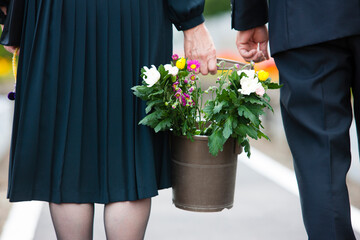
(214, 7)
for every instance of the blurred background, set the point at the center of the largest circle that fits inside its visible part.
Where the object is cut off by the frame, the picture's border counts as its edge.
(218, 21)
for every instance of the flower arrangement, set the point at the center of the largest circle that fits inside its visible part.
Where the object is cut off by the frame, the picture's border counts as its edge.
(174, 100)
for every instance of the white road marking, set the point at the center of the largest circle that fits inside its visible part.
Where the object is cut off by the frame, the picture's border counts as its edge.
(284, 177)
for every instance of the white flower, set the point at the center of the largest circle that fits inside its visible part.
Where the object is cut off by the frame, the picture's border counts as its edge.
(151, 76)
(249, 73)
(249, 83)
(171, 70)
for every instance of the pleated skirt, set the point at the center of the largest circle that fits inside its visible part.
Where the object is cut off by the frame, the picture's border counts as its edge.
(76, 137)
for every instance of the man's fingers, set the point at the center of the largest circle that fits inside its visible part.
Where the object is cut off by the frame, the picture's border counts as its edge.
(247, 54)
(264, 48)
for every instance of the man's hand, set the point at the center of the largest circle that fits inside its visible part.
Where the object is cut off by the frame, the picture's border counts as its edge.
(199, 45)
(252, 44)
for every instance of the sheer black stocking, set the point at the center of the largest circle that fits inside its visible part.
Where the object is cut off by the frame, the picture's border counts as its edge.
(127, 220)
(73, 221)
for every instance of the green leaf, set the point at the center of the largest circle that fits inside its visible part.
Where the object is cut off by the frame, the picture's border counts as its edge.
(228, 128)
(162, 71)
(256, 109)
(245, 130)
(141, 91)
(247, 113)
(209, 107)
(254, 99)
(156, 93)
(219, 106)
(266, 97)
(273, 85)
(267, 105)
(150, 105)
(152, 119)
(163, 125)
(245, 143)
(261, 134)
(216, 142)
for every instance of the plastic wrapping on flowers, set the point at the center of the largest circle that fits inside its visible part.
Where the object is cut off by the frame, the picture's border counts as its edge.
(174, 99)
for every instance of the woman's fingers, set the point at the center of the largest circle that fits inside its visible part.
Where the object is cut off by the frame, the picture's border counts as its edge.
(10, 49)
(199, 45)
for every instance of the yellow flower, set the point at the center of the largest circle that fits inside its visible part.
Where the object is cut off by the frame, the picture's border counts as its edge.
(5, 67)
(263, 75)
(180, 64)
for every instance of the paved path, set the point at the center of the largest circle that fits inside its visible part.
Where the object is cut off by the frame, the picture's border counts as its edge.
(263, 210)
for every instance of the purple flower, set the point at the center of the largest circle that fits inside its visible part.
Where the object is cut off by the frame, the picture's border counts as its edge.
(186, 81)
(183, 100)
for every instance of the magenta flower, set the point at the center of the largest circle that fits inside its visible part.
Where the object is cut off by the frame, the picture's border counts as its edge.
(192, 77)
(193, 65)
(175, 57)
(191, 89)
(186, 81)
(175, 86)
(186, 95)
(178, 94)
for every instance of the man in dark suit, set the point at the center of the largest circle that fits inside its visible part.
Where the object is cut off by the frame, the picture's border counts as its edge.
(316, 47)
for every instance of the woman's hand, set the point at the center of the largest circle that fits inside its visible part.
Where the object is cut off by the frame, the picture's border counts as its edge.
(10, 49)
(3, 9)
(199, 45)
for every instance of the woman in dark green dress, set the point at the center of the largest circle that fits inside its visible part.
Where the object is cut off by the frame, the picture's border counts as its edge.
(76, 139)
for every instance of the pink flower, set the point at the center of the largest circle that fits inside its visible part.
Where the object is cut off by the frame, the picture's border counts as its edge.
(186, 95)
(186, 81)
(193, 65)
(175, 86)
(260, 91)
(178, 93)
(175, 57)
(191, 89)
(192, 77)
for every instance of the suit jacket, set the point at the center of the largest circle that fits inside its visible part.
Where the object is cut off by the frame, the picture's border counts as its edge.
(298, 23)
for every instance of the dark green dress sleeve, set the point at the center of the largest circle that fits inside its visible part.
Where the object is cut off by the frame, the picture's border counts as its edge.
(186, 14)
(2, 14)
(247, 14)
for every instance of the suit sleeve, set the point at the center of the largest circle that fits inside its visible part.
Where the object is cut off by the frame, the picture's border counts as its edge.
(3, 3)
(247, 14)
(186, 14)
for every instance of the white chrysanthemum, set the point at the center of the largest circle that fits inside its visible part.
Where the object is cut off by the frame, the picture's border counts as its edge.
(249, 83)
(249, 73)
(171, 70)
(151, 76)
